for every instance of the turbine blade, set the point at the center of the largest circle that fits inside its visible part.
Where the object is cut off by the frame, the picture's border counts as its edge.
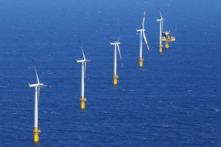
(118, 47)
(162, 26)
(79, 61)
(32, 59)
(34, 67)
(37, 75)
(89, 60)
(144, 36)
(83, 53)
(85, 71)
(161, 15)
(38, 92)
(46, 86)
(165, 18)
(144, 18)
(112, 39)
(119, 35)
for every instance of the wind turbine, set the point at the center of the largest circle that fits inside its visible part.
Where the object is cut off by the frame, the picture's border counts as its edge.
(145, 39)
(83, 79)
(116, 46)
(37, 94)
(161, 29)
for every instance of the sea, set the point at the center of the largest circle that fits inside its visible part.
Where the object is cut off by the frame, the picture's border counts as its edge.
(174, 100)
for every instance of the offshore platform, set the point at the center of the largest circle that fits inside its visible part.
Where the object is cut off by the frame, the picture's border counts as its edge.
(167, 37)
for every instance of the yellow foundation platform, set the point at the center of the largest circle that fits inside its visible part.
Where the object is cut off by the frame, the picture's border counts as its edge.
(167, 44)
(160, 48)
(141, 62)
(36, 132)
(115, 79)
(83, 102)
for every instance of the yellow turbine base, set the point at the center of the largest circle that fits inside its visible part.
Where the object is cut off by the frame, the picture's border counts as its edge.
(160, 48)
(83, 102)
(115, 79)
(141, 62)
(36, 132)
(166, 44)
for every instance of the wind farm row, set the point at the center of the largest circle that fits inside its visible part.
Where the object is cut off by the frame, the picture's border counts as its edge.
(164, 36)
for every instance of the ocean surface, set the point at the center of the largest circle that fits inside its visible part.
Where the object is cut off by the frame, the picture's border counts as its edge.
(174, 100)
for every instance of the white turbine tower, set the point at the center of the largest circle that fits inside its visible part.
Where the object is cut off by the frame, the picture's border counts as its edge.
(161, 29)
(116, 46)
(145, 39)
(37, 94)
(83, 79)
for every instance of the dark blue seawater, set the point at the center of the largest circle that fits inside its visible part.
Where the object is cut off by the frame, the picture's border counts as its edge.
(174, 100)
